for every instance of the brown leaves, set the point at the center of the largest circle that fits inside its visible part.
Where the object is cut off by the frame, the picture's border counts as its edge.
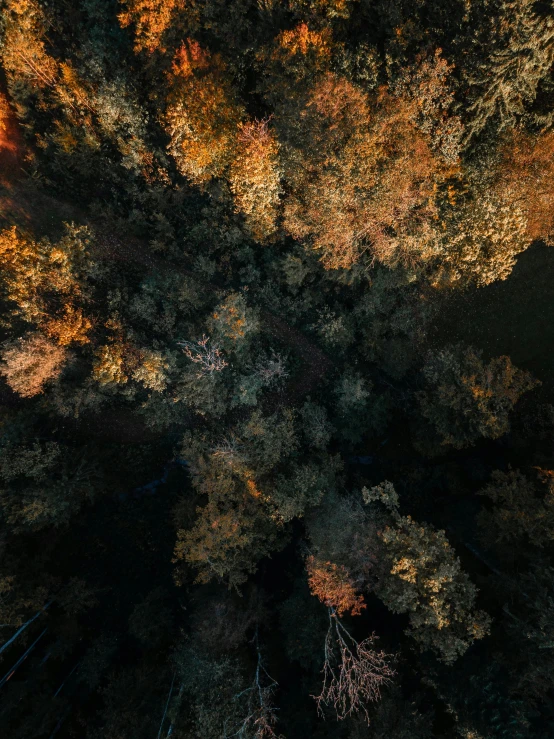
(71, 327)
(367, 182)
(151, 19)
(526, 173)
(301, 41)
(24, 54)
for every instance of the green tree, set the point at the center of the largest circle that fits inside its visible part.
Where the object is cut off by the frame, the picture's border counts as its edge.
(522, 509)
(425, 579)
(467, 399)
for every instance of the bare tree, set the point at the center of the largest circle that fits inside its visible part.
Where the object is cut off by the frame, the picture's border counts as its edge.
(272, 370)
(260, 720)
(353, 672)
(208, 356)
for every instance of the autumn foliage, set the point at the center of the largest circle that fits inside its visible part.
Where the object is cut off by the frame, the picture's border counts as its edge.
(255, 178)
(25, 54)
(37, 274)
(261, 268)
(302, 41)
(526, 173)
(31, 362)
(150, 18)
(368, 180)
(202, 113)
(467, 399)
(333, 586)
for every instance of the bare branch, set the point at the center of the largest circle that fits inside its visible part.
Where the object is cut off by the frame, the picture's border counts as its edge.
(261, 719)
(208, 356)
(353, 672)
(272, 370)
(228, 449)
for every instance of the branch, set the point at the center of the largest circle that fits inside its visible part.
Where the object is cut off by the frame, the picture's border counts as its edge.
(209, 357)
(261, 716)
(353, 672)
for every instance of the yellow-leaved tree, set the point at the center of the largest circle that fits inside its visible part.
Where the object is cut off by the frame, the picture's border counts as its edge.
(45, 282)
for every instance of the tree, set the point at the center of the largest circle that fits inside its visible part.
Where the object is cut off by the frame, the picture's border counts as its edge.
(233, 322)
(44, 484)
(109, 367)
(522, 42)
(526, 173)
(302, 487)
(425, 579)
(211, 685)
(255, 178)
(355, 399)
(427, 85)
(71, 328)
(287, 68)
(24, 53)
(466, 399)
(298, 52)
(32, 362)
(340, 532)
(151, 19)
(334, 587)
(261, 718)
(227, 541)
(232, 531)
(522, 509)
(41, 278)
(482, 237)
(367, 179)
(208, 356)
(202, 114)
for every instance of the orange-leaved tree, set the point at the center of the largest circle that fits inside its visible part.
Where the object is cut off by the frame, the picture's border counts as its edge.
(24, 54)
(255, 178)
(526, 173)
(366, 180)
(44, 282)
(334, 586)
(150, 19)
(202, 113)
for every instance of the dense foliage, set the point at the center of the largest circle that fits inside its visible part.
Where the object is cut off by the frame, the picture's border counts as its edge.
(247, 487)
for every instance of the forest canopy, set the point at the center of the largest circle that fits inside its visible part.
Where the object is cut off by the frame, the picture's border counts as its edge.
(261, 474)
